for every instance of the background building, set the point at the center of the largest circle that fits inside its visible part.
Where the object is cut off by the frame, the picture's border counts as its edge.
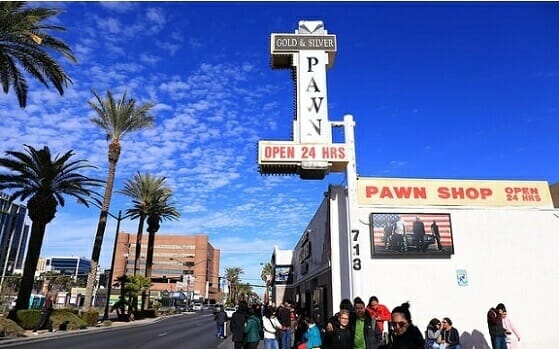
(76, 267)
(14, 232)
(180, 263)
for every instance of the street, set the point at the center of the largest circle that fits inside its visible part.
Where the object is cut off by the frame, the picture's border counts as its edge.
(186, 331)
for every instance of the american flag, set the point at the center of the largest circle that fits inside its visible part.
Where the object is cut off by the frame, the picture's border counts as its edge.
(380, 220)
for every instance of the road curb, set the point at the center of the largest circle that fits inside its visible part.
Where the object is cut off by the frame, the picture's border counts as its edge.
(57, 334)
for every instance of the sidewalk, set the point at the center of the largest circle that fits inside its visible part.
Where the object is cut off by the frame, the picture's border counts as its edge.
(228, 344)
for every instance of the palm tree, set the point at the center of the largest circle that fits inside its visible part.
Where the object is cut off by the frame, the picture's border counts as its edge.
(135, 286)
(158, 211)
(232, 277)
(151, 200)
(266, 275)
(144, 190)
(25, 43)
(245, 293)
(120, 305)
(116, 119)
(35, 175)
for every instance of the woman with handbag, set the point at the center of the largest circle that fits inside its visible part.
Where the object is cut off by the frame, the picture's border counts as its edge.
(271, 325)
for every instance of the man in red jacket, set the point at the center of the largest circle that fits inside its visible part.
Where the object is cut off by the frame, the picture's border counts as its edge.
(378, 311)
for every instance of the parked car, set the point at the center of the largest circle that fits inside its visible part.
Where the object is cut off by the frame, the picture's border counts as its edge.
(229, 311)
(396, 244)
(197, 306)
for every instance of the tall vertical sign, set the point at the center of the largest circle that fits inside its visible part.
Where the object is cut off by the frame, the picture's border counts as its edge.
(312, 154)
(308, 53)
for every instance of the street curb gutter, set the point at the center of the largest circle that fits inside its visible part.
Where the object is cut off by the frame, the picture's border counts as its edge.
(73, 333)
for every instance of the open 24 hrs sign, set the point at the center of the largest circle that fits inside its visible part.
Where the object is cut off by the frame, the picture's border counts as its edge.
(289, 152)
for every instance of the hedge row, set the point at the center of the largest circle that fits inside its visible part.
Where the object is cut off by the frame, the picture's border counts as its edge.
(27, 318)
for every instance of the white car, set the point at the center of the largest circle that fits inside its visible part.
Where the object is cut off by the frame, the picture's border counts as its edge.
(197, 306)
(229, 311)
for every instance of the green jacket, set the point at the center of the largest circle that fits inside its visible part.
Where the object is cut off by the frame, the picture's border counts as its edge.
(252, 329)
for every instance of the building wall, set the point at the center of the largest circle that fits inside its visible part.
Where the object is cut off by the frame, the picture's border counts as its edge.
(14, 232)
(506, 253)
(508, 256)
(174, 256)
(77, 267)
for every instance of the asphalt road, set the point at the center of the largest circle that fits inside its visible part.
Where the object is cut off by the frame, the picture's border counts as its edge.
(186, 331)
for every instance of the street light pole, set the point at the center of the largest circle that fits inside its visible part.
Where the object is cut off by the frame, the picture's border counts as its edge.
(106, 314)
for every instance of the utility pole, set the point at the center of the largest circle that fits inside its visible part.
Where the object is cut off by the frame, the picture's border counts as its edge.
(110, 278)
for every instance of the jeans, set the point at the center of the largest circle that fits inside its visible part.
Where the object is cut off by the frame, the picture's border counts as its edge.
(219, 331)
(498, 342)
(286, 339)
(271, 343)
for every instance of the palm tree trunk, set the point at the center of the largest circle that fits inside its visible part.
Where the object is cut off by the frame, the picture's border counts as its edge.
(138, 245)
(149, 254)
(101, 225)
(30, 266)
(149, 258)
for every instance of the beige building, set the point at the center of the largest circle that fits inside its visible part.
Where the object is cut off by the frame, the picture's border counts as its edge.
(186, 263)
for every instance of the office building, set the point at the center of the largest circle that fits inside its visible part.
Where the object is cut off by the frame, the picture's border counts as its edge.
(76, 267)
(14, 232)
(187, 263)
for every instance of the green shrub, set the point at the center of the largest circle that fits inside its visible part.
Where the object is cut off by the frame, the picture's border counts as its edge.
(90, 317)
(9, 328)
(61, 316)
(28, 318)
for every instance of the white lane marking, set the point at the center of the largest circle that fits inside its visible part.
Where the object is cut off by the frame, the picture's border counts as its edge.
(162, 334)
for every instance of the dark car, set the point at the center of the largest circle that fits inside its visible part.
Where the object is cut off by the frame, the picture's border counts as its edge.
(396, 243)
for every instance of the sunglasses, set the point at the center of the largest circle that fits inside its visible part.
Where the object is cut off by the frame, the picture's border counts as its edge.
(399, 324)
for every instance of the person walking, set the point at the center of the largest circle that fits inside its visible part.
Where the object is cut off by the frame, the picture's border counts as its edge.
(46, 311)
(220, 318)
(237, 325)
(252, 330)
(271, 325)
(512, 342)
(406, 334)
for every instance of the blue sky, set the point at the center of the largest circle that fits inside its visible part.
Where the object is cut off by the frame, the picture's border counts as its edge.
(437, 90)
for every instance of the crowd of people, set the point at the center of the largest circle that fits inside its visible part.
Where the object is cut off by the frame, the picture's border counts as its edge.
(355, 326)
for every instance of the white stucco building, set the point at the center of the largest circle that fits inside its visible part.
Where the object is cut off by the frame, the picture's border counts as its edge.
(499, 240)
